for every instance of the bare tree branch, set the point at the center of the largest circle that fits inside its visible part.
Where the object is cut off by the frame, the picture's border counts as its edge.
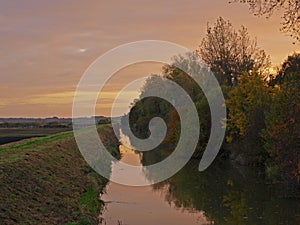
(291, 13)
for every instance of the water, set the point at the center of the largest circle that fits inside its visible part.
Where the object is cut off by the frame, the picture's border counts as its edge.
(224, 194)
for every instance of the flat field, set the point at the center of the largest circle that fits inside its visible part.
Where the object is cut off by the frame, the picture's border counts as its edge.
(8, 135)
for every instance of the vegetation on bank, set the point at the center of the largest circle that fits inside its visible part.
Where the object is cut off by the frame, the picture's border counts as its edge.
(263, 127)
(47, 181)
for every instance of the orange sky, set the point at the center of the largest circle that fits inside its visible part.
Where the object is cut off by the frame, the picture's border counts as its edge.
(47, 45)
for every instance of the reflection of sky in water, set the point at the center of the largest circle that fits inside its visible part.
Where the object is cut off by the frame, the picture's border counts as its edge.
(129, 157)
(142, 205)
(225, 194)
(132, 175)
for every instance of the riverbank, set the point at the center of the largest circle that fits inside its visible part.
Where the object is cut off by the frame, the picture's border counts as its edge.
(47, 181)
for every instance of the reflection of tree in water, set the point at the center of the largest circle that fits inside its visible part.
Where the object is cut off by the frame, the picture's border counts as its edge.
(236, 202)
(227, 195)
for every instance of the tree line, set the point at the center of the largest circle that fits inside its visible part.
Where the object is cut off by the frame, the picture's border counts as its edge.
(263, 121)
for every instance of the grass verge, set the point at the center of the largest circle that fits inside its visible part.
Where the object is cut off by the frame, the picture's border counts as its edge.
(47, 181)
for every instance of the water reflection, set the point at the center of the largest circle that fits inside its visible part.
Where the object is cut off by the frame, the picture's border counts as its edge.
(228, 194)
(224, 194)
(143, 205)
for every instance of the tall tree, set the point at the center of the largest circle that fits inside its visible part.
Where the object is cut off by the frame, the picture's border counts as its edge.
(282, 136)
(282, 133)
(291, 13)
(230, 52)
(247, 104)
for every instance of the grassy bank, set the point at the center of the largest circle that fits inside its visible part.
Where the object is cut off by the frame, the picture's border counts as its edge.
(47, 181)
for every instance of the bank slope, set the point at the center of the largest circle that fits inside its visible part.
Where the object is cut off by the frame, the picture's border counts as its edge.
(47, 181)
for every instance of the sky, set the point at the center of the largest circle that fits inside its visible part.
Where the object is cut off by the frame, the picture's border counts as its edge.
(46, 46)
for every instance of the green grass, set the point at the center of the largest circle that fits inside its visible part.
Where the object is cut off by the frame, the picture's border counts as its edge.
(17, 151)
(47, 181)
(90, 201)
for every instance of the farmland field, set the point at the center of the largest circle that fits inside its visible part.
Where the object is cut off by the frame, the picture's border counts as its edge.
(8, 135)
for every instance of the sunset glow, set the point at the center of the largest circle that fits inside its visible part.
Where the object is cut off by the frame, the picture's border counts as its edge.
(47, 45)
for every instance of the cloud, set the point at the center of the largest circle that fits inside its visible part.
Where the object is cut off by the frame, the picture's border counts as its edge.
(47, 45)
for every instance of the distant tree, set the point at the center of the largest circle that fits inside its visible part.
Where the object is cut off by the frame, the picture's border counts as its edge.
(230, 52)
(104, 121)
(145, 108)
(54, 124)
(291, 13)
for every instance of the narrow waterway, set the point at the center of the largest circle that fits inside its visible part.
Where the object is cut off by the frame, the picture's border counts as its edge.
(143, 205)
(224, 194)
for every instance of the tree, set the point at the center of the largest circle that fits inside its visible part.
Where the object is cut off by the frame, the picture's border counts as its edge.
(145, 108)
(229, 53)
(291, 13)
(197, 70)
(282, 133)
(289, 71)
(247, 104)
(191, 65)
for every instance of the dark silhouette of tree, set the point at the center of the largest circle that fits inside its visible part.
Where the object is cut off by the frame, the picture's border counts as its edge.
(230, 52)
(282, 136)
(291, 13)
(290, 70)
